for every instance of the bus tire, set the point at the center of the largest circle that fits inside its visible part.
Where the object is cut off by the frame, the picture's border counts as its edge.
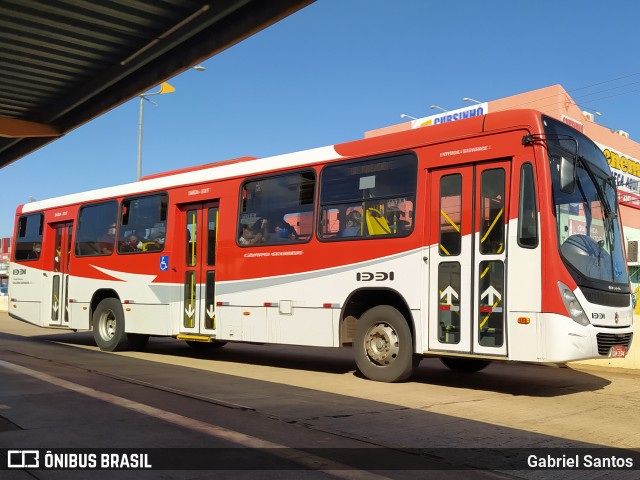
(466, 365)
(205, 345)
(108, 325)
(383, 345)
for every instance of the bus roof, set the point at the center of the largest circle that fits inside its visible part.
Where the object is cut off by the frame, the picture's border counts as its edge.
(243, 166)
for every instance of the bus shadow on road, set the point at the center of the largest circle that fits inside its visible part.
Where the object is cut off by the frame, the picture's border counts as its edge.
(501, 377)
(312, 359)
(513, 379)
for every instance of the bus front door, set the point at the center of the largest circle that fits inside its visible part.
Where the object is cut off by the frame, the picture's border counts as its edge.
(198, 306)
(467, 234)
(59, 295)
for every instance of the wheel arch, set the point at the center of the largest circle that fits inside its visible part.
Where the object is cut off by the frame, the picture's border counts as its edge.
(361, 300)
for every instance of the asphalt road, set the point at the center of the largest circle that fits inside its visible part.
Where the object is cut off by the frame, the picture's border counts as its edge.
(259, 411)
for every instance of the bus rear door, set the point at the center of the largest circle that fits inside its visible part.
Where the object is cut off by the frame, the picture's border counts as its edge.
(200, 222)
(59, 286)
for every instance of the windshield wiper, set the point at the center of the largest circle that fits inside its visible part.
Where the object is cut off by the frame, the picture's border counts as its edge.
(609, 216)
(599, 190)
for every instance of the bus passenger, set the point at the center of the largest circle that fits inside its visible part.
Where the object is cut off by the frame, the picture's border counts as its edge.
(34, 254)
(284, 230)
(354, 225)
(131, 244)
(251, 235)
(106, 240)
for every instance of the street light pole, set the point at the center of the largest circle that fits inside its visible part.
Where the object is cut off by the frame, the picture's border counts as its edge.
(143, 97)
(140, 137)
(164, 88)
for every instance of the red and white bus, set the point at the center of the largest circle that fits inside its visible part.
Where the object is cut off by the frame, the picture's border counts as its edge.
(491, 238)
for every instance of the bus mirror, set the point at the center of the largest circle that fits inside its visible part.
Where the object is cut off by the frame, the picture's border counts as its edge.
(567, 175)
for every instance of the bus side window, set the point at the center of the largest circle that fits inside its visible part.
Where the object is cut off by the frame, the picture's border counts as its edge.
(143, 224)
(373, 198)
(277, 209)
(527, 213)
(95, 233)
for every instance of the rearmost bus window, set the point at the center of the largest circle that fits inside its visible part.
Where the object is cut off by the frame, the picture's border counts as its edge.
(277, 210)
(373, 198)
(29, 237)
(96, 232)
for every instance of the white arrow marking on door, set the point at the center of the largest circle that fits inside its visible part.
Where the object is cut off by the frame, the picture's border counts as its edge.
(55, 307)
(210, 311)
(449, 292)
(491, 293)
(189, 311)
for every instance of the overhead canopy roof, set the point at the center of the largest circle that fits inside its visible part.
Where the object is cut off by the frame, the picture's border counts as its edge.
(65, 62)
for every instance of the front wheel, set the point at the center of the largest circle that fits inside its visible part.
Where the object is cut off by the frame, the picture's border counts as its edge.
(383, 345)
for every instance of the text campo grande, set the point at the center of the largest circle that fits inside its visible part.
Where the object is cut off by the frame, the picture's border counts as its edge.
(293, 253)
(110, 461)
(579, 461)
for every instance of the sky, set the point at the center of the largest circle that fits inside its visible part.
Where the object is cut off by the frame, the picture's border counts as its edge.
(338, 68)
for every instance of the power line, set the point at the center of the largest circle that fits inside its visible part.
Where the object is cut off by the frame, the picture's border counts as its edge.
(555, 96)
(604, 82)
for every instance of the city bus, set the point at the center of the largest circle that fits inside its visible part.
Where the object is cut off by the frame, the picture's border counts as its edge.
(493, 238)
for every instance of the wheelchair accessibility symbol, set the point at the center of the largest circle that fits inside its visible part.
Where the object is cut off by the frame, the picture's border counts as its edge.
(164, 263)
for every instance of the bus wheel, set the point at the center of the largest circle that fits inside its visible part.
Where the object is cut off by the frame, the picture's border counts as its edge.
(108, 325)
(205, 345)
(467, 365)
(383, 345)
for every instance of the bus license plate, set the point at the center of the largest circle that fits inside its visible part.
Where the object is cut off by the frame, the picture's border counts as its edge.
(619, 351)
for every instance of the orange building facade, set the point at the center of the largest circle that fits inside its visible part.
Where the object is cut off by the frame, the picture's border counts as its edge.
(622, 153)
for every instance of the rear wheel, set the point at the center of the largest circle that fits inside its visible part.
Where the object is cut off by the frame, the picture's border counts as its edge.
(108, 325)
(467, 365)
(383, 345)
(108, 328)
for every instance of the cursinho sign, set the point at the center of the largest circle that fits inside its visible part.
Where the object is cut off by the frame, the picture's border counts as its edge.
(452, 116)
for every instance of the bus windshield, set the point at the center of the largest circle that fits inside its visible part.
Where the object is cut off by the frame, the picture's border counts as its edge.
(586, 212)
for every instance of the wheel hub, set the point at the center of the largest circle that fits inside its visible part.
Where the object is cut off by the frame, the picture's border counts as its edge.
(108, 322)
(382, 344)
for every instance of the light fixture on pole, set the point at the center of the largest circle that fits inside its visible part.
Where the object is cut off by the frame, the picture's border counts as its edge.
(164, 88)
(467, 99)
(438, 107)
(404, 115)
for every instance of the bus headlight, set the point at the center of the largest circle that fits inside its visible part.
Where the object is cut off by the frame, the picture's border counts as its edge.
(573, 306)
